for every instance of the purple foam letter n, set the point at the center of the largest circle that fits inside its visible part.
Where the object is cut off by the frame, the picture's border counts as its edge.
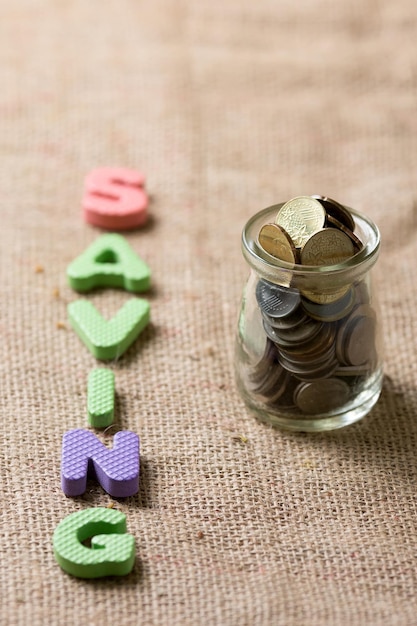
(117, 470)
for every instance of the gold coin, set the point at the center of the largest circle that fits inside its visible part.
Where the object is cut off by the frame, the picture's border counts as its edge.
(325, 298)
(277, 242)
(327, 247)
(301, 217)
(333, 222)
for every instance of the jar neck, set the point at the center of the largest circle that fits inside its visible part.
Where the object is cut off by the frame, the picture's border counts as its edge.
(329, 276)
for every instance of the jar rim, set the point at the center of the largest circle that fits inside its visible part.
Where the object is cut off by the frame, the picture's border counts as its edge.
(262, 261)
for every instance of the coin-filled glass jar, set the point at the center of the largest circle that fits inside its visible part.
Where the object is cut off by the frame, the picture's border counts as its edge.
(308, 350)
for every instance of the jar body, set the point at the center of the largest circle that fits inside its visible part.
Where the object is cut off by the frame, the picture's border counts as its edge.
(313, 360)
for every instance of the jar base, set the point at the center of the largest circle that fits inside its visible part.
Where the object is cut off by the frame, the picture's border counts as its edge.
(348, 414)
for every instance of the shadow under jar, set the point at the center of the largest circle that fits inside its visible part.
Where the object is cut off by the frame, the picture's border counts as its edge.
(308, 363)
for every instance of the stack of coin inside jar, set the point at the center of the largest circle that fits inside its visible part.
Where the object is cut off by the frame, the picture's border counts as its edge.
(320, 343)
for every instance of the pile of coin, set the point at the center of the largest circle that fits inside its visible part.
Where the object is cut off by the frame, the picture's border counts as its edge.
(320, 344)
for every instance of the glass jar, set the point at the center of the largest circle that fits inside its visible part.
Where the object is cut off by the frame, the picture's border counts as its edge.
(315, 364)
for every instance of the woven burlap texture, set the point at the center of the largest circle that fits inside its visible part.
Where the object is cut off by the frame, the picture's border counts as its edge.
(227, 108)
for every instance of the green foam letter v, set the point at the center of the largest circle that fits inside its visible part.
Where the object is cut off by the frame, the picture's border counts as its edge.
(112, 551)
(108, 339)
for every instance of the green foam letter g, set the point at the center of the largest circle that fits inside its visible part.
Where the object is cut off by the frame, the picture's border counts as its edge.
(112, 551)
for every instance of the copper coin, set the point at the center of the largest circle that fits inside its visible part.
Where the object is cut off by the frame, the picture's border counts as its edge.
(301, 217)
(327, 247)
(276, 241)
(321, 396)
(336, 210)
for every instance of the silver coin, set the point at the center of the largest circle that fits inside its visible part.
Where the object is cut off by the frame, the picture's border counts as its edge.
(360, 343)
(291, 321)
(322, 396)
(362, 294)
(276, 301)
(356, 337)
(316, 346)
(285, 401)
(271, 380)
(350, 370)
(307, 366)
(262, 367)
(270, 332)
(307, 361)
(298, 334)
(330, 312)
(279, 388)
(325, 371)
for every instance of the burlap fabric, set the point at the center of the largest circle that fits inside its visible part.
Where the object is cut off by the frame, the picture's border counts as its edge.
(227, 107)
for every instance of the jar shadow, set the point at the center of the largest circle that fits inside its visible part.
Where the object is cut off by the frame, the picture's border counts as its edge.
(384, 440)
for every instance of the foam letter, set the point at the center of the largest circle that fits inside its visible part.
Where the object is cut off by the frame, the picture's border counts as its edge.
(109, 262)
(108, 339)
(100, 397)
(112, 551)
(116, 470)
(114, 198)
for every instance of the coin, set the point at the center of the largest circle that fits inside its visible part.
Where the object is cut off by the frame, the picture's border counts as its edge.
(355, 341)
(301, 217)
(334, 223)
(360, 344)
(277, 242)
(325, 298)
(320, 339)
(321, 396)
(276, 301)
(297, 317)
(327, 247)
(285, 401)
(272, 381)
(267, 360)
(330, 312)
(336, 210)
(316, 346)
(299, 333)
(319, 373)
(350, 370)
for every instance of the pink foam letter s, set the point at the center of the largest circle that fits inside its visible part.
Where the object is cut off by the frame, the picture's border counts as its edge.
(114, 198)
